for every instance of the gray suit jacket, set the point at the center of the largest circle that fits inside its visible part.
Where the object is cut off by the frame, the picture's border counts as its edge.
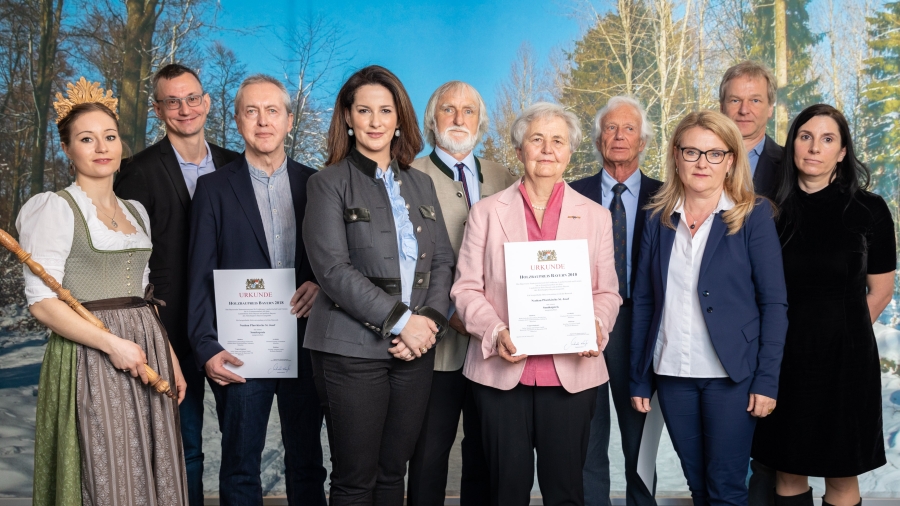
(351, 242)
(451, 354)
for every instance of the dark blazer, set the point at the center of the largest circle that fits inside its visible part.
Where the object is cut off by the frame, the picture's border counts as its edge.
(352, 244)
(590, 188)
(768, 170)
(153, 178)
(741, 287)
(227, 233)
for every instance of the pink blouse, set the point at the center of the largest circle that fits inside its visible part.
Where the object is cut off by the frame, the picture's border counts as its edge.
(540, 370)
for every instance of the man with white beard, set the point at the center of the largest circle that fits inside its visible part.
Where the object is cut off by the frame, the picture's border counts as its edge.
(455, 122)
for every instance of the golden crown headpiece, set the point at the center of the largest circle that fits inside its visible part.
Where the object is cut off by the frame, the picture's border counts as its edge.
(83, 92)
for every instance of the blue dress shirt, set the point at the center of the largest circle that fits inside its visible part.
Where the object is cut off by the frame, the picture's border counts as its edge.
(469, 170)
(276, 208)
(407, 245)
(754, 155)
(630, 201)
(191, 171)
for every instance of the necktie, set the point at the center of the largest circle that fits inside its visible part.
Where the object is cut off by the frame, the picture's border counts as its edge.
(620, 236)
(462, 178)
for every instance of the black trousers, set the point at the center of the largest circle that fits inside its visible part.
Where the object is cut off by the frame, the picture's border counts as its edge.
(373, 413)
(451, 392)
(548, 420)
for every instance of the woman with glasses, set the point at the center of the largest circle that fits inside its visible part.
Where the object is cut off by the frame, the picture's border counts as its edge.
(710, 307)
(839, 248)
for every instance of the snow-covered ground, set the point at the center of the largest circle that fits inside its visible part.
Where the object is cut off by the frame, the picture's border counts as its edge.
(21, 354)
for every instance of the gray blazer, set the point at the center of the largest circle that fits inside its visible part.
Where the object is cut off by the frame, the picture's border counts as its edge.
(351, 242)
(451, 354)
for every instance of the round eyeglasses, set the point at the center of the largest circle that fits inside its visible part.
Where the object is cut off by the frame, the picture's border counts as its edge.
(714, 156)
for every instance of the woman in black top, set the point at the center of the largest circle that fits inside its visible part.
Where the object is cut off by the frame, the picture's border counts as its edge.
(839, 261)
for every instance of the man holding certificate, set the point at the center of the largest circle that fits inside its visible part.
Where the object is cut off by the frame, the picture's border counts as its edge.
(536, 271)
(250, 287)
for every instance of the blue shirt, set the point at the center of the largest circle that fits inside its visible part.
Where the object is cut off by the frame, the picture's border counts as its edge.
(407, 245)
(191, 171)
(754, 155)
(276, 208)
(630, 201)
(469, 170)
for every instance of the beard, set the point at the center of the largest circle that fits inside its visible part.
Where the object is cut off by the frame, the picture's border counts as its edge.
(451, 145)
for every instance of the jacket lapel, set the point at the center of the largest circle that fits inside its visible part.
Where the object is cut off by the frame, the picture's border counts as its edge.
(511, 214)
(167, 157)
(572, 205)
(298, 196)
(243, 190)
(716, 233)
(666, 241)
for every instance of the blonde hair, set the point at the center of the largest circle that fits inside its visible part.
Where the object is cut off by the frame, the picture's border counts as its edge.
(738, 184)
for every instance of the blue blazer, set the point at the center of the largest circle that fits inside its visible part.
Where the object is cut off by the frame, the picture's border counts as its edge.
(590, 188)
(227, 233)
(741, 290)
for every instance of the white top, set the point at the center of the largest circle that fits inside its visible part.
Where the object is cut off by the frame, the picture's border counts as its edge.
(683, 346)
(46, 228)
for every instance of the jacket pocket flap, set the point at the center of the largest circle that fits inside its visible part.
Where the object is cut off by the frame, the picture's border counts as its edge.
(428, 212)
(355, 214)
(751, 330)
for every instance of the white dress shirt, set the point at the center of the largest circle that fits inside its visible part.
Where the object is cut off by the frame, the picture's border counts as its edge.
(683, 346)
(46, 228)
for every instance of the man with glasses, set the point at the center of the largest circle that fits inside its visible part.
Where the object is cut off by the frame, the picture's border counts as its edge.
(163, 178)
(747, 96)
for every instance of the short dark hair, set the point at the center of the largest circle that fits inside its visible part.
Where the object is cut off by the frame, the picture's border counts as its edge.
(850, 174)
(403, 148)
(171, 71)
(64, 127)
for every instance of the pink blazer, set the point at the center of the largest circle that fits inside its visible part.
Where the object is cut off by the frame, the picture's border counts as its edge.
(480, 288)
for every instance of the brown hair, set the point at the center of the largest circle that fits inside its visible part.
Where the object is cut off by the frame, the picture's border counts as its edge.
(738, 186)
(750, 69)
(64, 127)
(404, 148)
(171, 71)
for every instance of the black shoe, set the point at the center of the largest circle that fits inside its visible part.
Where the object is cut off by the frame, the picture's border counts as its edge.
(829, 504)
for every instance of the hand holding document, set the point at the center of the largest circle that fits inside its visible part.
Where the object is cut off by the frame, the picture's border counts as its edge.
(551, 308)
(254, 321)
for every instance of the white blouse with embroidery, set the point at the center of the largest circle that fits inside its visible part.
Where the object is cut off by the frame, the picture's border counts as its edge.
(46, 228)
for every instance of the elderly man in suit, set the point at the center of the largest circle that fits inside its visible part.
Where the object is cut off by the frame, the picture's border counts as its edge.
(163, 178)
(747, 96)
(621, 132)
(248, 215)
(455, 121)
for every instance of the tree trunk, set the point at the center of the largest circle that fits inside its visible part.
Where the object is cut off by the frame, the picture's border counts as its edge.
(136, 60)
(43, 75)
(781, 70)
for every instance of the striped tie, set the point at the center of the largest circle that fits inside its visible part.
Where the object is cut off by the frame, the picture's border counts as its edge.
(462, 178)
(620, 236)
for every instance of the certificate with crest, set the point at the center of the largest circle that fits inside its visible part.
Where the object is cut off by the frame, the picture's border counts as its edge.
(254, 321)
(551, 308)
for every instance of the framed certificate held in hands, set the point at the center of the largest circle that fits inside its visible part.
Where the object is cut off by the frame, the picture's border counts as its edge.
(254, 321)
(551, 308)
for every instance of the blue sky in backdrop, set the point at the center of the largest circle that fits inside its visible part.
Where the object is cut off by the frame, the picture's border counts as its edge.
(425, 43)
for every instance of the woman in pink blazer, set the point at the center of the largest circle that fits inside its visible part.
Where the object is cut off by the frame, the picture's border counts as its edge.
(542, 403)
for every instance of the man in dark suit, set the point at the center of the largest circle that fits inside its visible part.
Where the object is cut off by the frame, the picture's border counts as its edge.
(621, 132)
(747, 96)
(162, 178)
(248, 215)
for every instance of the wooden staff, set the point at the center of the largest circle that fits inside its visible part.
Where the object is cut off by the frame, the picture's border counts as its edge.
(158, 384)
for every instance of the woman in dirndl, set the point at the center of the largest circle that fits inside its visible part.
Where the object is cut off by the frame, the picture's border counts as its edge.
(102, 436)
